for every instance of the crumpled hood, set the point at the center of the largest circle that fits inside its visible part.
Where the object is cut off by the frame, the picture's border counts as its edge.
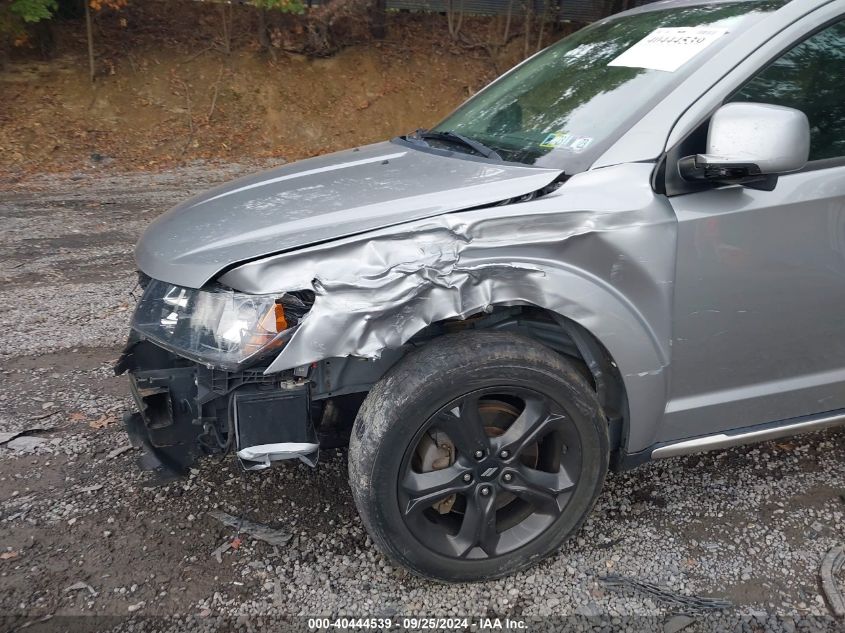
(320, 199)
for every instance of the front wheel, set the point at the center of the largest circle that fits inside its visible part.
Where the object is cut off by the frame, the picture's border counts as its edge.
(476, 456)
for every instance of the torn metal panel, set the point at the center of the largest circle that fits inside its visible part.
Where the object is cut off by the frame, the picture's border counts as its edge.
(600, 250)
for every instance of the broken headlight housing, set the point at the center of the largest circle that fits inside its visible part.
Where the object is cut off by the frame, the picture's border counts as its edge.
(217, 326)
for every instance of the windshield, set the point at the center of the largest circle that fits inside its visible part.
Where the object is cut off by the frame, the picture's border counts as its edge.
(565, 106)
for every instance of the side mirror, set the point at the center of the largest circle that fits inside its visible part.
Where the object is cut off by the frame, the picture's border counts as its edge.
(750, 144)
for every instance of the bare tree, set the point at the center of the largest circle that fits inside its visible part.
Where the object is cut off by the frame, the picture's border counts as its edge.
(529, 17)
(89, 33)
(508, 23)
(454, 19)
(226, 20)
(543, 19)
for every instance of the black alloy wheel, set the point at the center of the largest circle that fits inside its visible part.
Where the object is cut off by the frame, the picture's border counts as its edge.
(477, 455)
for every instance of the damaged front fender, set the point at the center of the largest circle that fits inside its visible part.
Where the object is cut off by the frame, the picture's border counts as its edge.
(600, 251)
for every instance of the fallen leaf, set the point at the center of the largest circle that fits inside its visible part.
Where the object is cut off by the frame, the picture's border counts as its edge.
(118, 451)
(8, 555)
(77, 416)
(218, 553)
(77, 586)
(102, 422)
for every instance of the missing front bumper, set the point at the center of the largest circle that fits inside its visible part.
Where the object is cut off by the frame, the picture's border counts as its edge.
(187, 411)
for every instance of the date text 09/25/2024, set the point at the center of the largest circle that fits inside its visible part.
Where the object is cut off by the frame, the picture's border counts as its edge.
(417, 624)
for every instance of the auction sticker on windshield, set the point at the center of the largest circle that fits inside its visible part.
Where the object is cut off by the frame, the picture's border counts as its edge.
(668, 49)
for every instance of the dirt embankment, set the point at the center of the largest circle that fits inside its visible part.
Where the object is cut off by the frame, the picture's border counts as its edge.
(168, 93)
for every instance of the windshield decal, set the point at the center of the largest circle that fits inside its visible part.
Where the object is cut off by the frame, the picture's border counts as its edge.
(668, 49)
(581, 143)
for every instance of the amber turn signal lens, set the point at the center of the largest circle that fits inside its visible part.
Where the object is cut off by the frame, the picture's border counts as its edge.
(281, 321)
(274, 321)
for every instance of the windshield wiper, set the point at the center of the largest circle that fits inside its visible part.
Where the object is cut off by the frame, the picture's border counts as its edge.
(459, 139)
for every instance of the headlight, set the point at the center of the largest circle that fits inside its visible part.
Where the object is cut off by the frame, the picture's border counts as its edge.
(218, 326)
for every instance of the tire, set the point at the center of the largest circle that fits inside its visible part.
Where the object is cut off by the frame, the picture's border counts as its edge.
(454, 503)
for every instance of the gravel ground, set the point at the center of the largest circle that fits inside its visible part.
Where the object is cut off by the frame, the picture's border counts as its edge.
(84, 532)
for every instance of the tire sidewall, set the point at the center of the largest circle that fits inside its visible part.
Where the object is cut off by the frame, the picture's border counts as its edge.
(405, 416)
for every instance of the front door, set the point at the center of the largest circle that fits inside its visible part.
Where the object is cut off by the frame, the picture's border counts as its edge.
(759, 317)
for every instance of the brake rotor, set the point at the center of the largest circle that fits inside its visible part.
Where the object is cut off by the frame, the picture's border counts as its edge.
(436, 452)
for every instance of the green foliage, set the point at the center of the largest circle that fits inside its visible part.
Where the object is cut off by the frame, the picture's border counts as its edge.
(285, 6)
(33, 10)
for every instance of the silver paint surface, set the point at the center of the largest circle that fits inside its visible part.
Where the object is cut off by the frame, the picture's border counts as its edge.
(759, 333)
(599, 250)
(320, 199)
(774, 138)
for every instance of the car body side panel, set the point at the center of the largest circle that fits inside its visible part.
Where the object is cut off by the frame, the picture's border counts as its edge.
(600, 250)
(759, 327)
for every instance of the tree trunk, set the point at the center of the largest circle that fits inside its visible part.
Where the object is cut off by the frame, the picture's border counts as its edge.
(454, 22)
(378, 24)
(227, 29)
(263, 36)
(543, 19)
(45, 37)
(508, 23)
(529, 15)
(89, 31)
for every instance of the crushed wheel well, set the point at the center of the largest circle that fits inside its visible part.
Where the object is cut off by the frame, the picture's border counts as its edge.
(339, 379)
(566, 337)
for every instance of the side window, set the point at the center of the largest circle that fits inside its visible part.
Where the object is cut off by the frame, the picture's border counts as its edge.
(810, 77)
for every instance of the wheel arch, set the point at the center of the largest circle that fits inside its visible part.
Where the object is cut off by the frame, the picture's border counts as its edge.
(567, 337)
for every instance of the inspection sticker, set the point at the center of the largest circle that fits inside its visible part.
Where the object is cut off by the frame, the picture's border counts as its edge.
(557, 139)
(668, 49)
(565, 140)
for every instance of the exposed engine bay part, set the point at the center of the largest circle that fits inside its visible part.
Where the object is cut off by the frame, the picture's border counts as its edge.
(271, 426)
(187, 411)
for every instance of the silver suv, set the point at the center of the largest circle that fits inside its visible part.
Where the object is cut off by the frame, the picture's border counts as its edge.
(630, 246)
